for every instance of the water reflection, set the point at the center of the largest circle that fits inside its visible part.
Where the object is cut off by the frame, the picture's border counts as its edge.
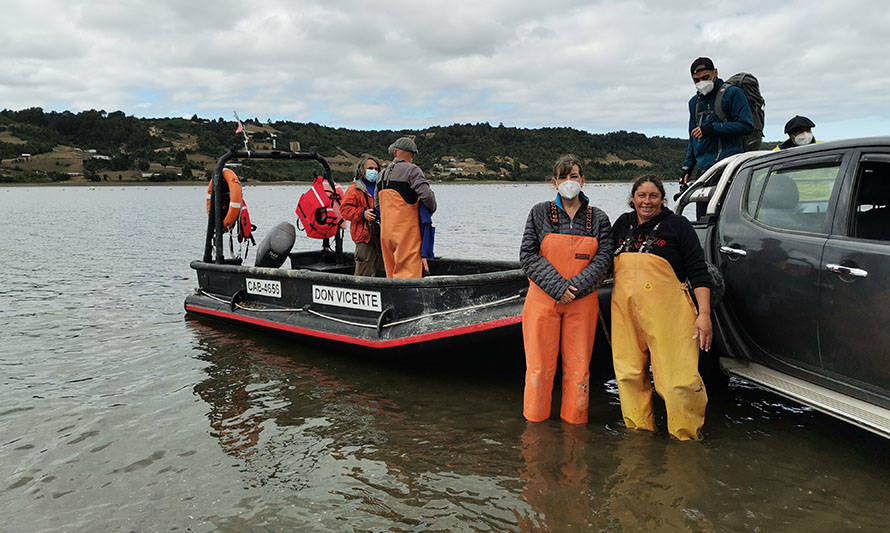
(658, 484)
(248, 387)
(424, 443)
(382, 446)
(556, 471)
(119, 415)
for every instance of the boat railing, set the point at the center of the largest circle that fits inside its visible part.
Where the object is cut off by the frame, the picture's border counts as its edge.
(215, 215)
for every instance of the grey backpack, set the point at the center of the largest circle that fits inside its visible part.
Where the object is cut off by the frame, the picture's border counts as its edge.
(751, 87)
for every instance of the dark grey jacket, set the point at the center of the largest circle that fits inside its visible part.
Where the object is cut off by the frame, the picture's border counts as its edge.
(544, 274)
(408, 180)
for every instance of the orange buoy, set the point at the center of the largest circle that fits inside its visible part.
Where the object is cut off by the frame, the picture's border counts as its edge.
(231, 200)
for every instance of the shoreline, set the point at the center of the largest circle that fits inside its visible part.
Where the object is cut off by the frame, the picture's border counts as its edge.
(261, 183)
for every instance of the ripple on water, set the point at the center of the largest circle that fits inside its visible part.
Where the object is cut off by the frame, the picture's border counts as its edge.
(121, 415)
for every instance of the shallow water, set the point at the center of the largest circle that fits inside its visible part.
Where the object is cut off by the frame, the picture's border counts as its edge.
(118, 413)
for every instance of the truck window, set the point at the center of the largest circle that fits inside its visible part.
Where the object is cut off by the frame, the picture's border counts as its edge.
(871, 217)
(792, 198)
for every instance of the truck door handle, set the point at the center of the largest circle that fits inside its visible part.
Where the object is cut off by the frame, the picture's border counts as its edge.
(847, 271)
(733, 251)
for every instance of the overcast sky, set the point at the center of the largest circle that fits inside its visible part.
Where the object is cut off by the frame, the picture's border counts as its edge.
(597, 66)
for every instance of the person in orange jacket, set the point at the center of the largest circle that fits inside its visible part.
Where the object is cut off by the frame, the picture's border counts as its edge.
(364, 226)
(566, 250)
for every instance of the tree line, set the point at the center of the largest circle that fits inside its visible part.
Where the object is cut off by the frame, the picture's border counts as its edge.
(507, 153)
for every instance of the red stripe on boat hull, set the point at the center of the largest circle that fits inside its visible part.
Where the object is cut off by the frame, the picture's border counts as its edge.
(391, 343)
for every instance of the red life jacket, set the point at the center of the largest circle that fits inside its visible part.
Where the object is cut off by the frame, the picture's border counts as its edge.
(245, 228)
(319, 209)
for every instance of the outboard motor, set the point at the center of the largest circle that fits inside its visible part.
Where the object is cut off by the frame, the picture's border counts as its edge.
(273, 250)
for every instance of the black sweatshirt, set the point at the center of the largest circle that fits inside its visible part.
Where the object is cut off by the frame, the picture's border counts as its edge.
(675, 241)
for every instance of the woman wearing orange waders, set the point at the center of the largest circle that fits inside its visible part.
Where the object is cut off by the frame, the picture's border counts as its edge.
(401, 186)
(566, 250)
(654, 320)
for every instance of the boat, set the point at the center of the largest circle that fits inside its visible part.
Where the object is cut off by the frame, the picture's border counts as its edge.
(314, 296)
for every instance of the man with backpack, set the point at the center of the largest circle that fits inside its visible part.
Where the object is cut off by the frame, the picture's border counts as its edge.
(717, 127)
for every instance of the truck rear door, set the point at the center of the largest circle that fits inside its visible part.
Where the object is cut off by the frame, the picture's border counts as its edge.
(855, 300)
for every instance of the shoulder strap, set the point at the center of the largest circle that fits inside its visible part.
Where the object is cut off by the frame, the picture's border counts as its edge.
(644, 248)
(554, 217)
(625, 245)
(718, 101)
(368, 203)
(697, 102)
(384, 175)
(647, 244)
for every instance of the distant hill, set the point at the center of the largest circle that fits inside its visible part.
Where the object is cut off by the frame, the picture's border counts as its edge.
(36, 146)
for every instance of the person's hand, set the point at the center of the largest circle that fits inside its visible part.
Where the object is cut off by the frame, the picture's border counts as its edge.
(703, 131)
(685, 179)
(426, 265)
(568, 296)
(703, 332)
(369, 215)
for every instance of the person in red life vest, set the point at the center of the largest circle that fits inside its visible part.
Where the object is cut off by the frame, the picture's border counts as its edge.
(400, 188)
(654, 321)
(566, 250)
(358, 209)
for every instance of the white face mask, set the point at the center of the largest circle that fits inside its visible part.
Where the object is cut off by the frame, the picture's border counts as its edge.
(569, 189)
(704, 86)
(803, 138)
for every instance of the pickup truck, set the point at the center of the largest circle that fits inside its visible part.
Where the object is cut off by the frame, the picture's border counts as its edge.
(801, 238)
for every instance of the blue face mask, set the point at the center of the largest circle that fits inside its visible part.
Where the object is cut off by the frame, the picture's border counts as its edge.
(371, 175)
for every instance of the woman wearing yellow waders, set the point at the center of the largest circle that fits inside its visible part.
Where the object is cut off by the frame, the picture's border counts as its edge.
(566, 250)
(653, 317)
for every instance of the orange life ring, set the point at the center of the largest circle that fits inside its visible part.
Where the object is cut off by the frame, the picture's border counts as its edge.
(232, 203)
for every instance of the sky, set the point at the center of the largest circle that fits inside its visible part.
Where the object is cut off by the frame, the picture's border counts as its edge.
(364, 64)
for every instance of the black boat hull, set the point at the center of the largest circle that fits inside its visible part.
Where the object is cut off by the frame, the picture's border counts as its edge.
(319, 299)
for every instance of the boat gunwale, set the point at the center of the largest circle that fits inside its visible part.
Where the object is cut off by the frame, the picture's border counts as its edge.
(481, 278)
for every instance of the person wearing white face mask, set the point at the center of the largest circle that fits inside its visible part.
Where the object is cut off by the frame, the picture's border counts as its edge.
(800, 133)
(566, 250)
(711, 139)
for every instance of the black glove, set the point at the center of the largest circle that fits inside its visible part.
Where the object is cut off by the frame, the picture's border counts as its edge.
(683, 171)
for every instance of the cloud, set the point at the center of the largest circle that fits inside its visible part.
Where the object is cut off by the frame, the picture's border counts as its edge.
(599, 66)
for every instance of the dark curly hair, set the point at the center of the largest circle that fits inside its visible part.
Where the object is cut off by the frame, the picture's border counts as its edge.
(651, 178)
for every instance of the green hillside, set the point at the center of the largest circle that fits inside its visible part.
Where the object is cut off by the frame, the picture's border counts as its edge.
(99, 146)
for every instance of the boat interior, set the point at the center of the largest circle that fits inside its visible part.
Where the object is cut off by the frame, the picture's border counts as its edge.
(326, 261)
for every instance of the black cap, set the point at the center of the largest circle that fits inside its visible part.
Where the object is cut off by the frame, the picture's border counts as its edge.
(797, 123)
(702, 63)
